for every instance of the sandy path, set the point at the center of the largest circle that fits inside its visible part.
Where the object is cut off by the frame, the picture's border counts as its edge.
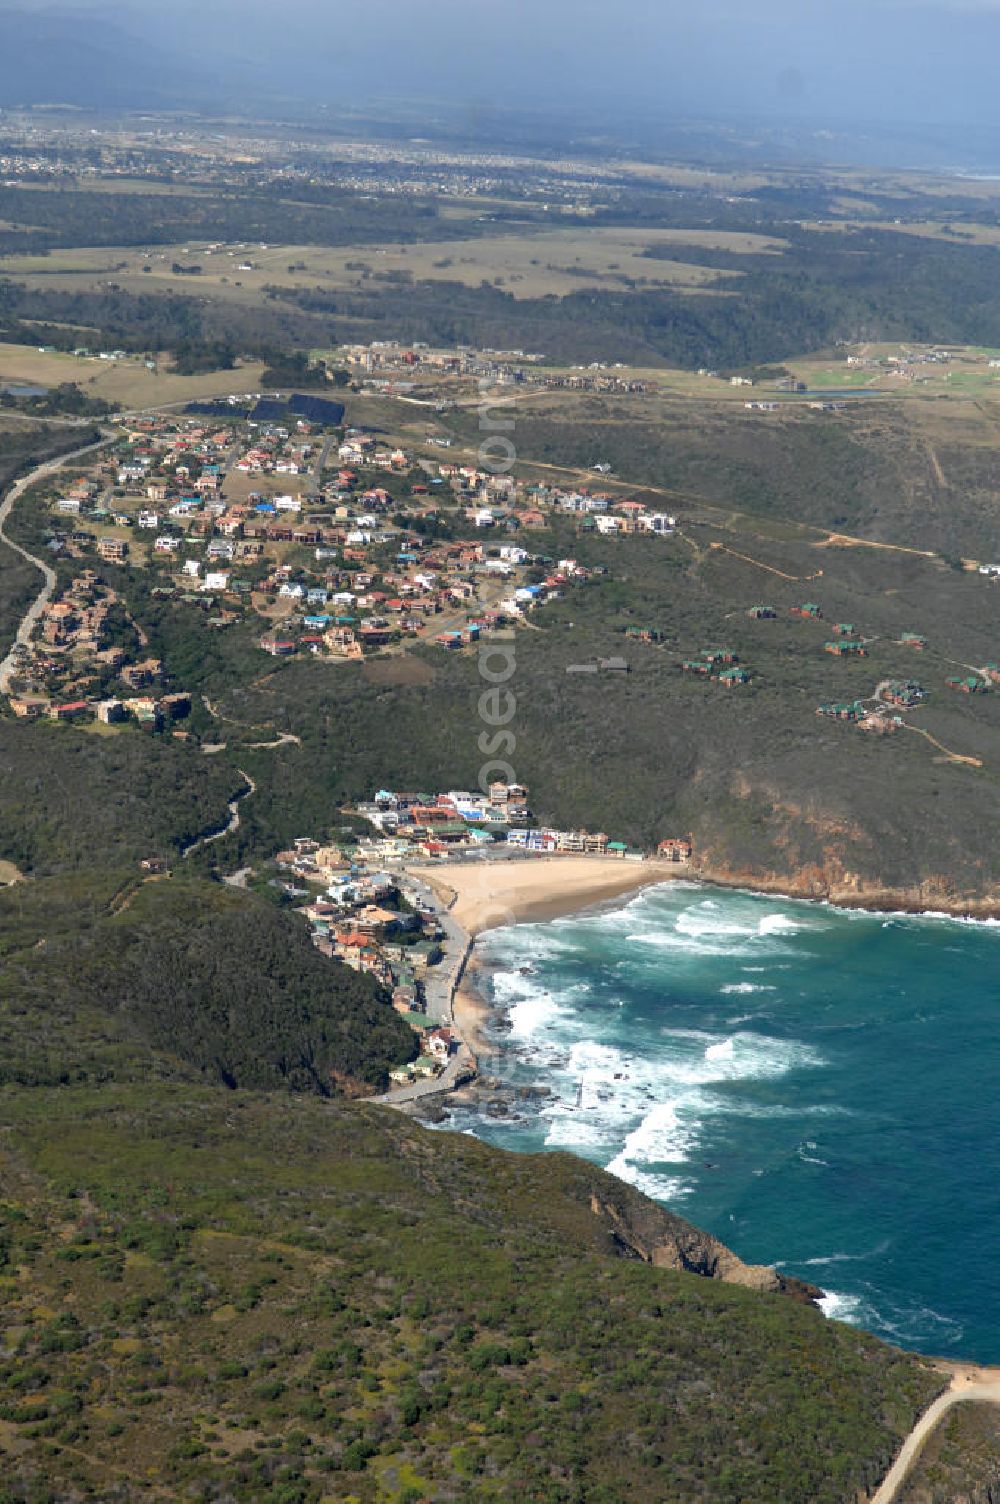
(967, 1385)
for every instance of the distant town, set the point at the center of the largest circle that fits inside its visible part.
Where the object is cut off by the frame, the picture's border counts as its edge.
(339, 544)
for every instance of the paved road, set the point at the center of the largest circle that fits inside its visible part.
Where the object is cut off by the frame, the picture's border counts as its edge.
(34, 612)
(316, 474)
(439, 991)
(458, 1069)
(961, 1392)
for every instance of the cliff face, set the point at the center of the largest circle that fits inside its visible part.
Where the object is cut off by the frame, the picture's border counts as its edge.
(574, 1202)
(807, 848)
(829, 881)
(642, 1229)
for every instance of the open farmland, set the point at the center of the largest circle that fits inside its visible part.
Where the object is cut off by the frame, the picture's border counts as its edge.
(527, 263)
(128, 382)
(904, 370)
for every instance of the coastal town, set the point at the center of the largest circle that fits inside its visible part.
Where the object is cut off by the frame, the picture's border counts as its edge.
(337, 543)
(500, 747)
(379, 902)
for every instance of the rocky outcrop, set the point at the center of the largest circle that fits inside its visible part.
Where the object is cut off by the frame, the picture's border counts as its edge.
(642, 1229)
(830, 883)
(830, 846)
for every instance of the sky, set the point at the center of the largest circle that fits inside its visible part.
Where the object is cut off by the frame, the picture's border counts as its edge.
(829, 64)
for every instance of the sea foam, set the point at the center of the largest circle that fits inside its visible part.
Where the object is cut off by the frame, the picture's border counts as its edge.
(669, 1070)
(649, 1113)
(839, 1307)
(746, 987)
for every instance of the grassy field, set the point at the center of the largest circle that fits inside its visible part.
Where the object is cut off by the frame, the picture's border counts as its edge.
(124, 381)
(239, 486)
(966, 372)
(529, 264)
(966, 230)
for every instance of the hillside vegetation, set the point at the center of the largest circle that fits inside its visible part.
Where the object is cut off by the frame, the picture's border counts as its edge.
(768, 788)
(921, 472)
(958, 1464)
(70, 801)
(215, 1293)
(111, 979)
(217, 1296)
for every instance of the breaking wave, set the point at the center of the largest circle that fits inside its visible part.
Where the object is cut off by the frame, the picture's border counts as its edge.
(792, 1074)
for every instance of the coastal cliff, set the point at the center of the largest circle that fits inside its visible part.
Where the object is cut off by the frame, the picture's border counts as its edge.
(830, 882)
(818, 848)
(643, 1229)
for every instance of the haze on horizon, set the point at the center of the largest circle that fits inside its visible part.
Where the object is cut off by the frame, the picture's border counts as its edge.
(899, 64)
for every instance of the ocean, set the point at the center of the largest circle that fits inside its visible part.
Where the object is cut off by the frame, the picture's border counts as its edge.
(819, 1088)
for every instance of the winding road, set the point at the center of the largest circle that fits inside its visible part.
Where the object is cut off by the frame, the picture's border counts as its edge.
(233, 822)
(32, 616)
(965, 1388)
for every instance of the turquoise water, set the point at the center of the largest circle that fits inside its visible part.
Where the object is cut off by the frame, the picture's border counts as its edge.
(818, 1088)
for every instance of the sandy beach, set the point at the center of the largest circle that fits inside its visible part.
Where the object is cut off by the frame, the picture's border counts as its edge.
(488, 894)
(484, 895)
(471, 1012)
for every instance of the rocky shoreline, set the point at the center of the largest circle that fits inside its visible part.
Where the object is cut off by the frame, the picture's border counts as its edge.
(934, 898)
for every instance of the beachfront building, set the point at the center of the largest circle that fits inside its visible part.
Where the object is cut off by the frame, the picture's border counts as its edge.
(675, 849)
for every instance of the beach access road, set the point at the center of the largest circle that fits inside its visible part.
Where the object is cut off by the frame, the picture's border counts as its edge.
(968, 1386)
(440, 984)
(460, 1068)
(33, 614)
(439, 994)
